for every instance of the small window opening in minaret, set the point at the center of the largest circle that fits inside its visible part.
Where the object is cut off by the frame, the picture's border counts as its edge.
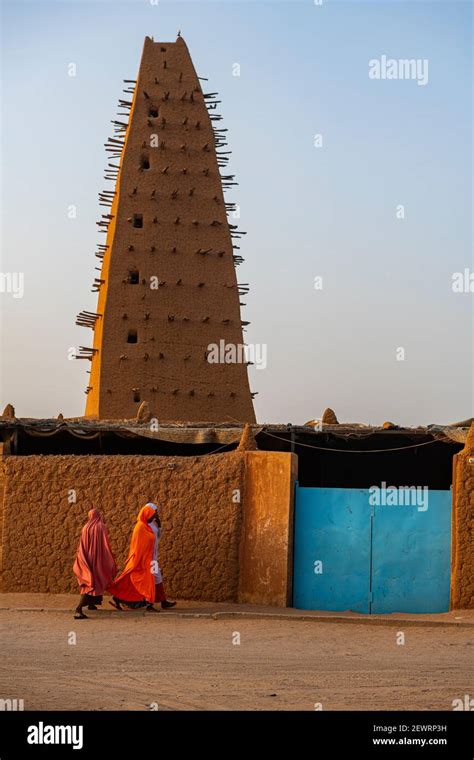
(132, 336)
(153, 112)
(136, 396)
(144, 163)
(133, 277)
(138, 220)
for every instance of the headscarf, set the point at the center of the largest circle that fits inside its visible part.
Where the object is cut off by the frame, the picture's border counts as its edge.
(137, 582)
(94, 566)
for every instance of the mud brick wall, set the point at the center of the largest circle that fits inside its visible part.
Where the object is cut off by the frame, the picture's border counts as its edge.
(199, 551)
(462, 555)
(266, 567)
(184, 241)
(2, 494)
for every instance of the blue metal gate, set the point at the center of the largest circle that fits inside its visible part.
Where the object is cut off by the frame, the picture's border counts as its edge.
(350, 554)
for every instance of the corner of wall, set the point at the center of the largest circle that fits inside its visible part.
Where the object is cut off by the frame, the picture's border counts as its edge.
(4, 450)
(462, 538)
(266, 550)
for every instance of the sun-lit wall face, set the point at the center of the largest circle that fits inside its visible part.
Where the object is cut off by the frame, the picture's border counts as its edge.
(355, 189)
(462, 588)
(167, 291)
(195, 525)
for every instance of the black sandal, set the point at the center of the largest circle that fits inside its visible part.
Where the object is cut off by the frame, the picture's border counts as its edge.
(115, 603)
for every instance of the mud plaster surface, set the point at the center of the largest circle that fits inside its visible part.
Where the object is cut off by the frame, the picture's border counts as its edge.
(197, 301)
(199, 552)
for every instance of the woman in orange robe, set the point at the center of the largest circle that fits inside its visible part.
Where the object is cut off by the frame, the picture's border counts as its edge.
(135, 586)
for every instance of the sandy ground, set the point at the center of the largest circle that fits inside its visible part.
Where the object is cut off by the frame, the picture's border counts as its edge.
(128, 662)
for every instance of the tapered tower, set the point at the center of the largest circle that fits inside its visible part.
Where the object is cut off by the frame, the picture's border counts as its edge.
(167, 288)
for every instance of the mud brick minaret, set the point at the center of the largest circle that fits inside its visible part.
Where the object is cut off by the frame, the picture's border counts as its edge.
(167, 288)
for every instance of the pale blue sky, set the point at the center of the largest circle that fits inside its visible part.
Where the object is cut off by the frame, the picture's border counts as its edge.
(328, 211)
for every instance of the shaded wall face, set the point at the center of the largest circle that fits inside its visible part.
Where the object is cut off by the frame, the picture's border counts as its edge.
(430, 465)
(462, 577)
(201, 518)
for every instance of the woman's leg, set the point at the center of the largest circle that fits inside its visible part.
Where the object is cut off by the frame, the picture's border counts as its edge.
(93, 601)
(116, 603)
(160, 596)
(150, 607)
(82, 603)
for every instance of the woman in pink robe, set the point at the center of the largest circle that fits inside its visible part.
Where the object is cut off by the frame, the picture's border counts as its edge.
(94, 566)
